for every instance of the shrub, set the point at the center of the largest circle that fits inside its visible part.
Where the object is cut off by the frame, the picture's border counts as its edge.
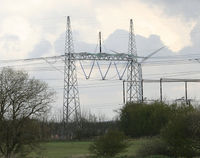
(139, 119)
(182, 134)
(153, 147)
(157, 156)
(109, 145)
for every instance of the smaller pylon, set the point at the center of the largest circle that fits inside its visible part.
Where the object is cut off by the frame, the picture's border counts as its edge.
(133, 85)
(100, 48)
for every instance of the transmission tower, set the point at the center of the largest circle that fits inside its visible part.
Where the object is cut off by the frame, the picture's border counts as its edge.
(133, 93)
(71, 103)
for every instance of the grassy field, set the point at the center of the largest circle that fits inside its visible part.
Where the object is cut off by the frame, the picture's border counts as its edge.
(78, 149)
(65, 149)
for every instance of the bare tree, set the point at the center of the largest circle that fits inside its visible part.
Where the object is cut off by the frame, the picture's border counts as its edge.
(22, 101)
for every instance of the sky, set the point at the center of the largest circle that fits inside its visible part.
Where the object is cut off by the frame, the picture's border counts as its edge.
(35, 28)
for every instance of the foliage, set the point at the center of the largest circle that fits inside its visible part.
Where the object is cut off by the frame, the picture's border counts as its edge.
(90, 130)
(157, 156)
(182, 134)
(21, 100)
(109, 145)
(90, 126)
(57, 149)
(179, 126)
(140, 119)
(154, 146)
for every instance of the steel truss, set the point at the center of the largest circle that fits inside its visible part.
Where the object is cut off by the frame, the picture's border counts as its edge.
(103, 56)
(71, 103)
(133, 72)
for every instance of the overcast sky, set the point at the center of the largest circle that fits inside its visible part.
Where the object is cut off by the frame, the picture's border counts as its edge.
(26, 24)
(34, 28)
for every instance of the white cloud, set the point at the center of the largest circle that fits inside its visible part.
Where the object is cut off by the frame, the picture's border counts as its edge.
(27, 37)
(33, 20)
(173, 31)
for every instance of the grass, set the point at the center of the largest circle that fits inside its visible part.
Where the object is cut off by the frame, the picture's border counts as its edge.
(65, 149)
(135, 145)
(78, 149)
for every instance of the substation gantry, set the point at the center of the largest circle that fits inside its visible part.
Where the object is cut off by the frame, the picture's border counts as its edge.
(71, 102)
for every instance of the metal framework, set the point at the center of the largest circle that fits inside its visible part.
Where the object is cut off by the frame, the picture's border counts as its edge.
(103, 56)
(71, 103)
(133, 76)
(165, 80)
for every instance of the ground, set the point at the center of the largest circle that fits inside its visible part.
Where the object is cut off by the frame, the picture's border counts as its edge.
(78, 149)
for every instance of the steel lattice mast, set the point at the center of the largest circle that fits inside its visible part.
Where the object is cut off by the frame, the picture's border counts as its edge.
(133, 92)
(71, 103)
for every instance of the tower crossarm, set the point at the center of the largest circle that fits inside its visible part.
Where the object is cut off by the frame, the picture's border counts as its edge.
(103, 56)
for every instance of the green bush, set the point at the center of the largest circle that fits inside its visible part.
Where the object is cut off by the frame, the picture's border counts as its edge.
(109, 145)
(182, 134)
(139, 119)
(153, 147)
(157, 156)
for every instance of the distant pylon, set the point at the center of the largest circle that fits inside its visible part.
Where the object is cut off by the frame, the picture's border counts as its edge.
(71, 102)
(133, 85)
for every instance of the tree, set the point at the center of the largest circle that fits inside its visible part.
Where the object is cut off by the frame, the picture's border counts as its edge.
(140, 119)
(182, 134)
(22, 101)
(109, 145)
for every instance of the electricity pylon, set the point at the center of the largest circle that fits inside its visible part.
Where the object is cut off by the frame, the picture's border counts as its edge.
(133, 78)
(71, 103)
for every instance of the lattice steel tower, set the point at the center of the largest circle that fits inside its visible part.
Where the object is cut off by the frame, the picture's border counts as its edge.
(71, 103)
(133, 92)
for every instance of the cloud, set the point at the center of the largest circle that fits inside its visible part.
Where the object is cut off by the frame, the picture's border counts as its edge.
(42, 48)
(195, 38)
(187, 9)
(26, 36)
(9, 42)
(79, 46)
(147, 21)
(118, 41)
(35, 20)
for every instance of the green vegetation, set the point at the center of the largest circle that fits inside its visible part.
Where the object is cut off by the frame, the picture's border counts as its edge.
(109, 145)
(156, 130)
(140, 119)
(65, 149)
(177, 128)
(154, 146)
(77, 149)
(23, 101)
(182, 134)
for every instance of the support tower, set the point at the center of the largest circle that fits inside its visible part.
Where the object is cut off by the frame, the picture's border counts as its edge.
(133, 77)
(71, 103)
